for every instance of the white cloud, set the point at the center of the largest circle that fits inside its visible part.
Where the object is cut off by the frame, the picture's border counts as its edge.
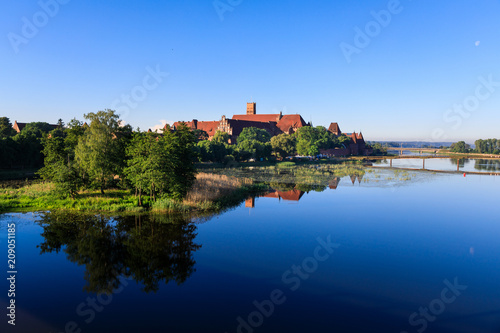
(162, 124)
(478, 42)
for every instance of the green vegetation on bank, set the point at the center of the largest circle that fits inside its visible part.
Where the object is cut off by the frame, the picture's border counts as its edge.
(488, 146)
(209, 194)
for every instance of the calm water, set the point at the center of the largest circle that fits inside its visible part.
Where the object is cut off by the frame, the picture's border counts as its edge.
(447, 164)
(364, 257)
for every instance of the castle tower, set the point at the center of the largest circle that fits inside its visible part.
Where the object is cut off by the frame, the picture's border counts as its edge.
(251, 108)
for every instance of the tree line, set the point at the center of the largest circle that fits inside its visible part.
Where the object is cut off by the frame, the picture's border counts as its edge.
(104, 155)
(488, 146)
(24, 149)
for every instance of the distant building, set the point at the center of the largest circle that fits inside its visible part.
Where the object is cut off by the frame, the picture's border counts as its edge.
(356, 146)
(274, 124)
(18, 127)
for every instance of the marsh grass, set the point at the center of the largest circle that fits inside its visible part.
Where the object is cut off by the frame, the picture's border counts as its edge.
(210, 192)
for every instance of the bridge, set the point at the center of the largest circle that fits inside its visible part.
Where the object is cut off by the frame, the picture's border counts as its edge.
(436, 171)
(419, 150)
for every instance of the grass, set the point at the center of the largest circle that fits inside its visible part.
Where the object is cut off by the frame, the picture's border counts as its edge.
(40, 196)
(210, 193)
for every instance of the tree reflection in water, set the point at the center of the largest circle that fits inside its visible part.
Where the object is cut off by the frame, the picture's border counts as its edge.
(488, 165)
(146, 248)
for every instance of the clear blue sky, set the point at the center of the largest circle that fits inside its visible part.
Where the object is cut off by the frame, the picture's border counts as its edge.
(284, 55)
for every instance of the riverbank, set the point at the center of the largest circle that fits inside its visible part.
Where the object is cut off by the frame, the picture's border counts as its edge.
(468, 155)
(210, 194)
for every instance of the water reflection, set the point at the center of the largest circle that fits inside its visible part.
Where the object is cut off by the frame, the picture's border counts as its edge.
(149, 249)
(443, 164)
(294, 192)
(489, 165)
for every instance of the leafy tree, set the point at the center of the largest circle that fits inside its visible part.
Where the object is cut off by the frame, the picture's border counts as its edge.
(200, 135)
(254, 143)
(6, 129)
(74, 132)
(99, 151)
(29, 144)
(8, 152)
(343, 141)
(460, 147)
(248, 149)
(212, 151)
(488, 146)
(221, 137)
(182, 155)
(378, 149)
(311, 139)
(253, 133)
(147, 164)
(284, 145)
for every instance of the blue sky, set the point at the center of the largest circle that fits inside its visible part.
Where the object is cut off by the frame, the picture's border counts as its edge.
(430, 72)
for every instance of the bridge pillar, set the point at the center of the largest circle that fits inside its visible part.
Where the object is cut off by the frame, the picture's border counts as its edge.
(423, 164)
(391, 162)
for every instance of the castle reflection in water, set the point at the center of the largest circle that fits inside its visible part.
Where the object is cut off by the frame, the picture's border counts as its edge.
(297, 193)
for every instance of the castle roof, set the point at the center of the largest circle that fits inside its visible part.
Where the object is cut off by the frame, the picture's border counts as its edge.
(334, 128)
(208, 126)
(291, 121)
(263, 118)
(237, 126)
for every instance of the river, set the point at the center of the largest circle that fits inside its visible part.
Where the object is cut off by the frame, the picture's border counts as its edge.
(385, 252)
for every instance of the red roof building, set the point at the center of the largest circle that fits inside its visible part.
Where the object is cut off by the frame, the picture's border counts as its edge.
(18, 127)
(274, 124)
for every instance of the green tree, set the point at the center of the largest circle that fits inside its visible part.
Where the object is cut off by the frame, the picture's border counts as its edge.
(200, 135)
(311, 139)
(29, 144)
(248, 149)
(8, 152)
(6, 129)
(253, 133)
(460, 147)
(211, 151)
(180, 146)
(378, 149)
(147, 162)
(221, 137)
(284, 145)
(59, 165)
(100, 151)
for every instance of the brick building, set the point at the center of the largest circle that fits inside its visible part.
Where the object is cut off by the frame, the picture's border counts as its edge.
(275, 124)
